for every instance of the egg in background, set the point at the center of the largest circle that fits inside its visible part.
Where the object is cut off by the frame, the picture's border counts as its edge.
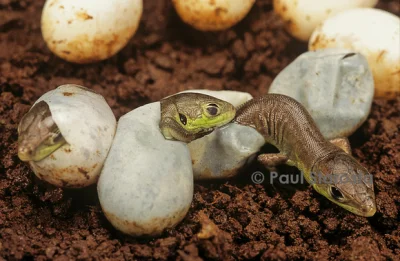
(303, 16)
(86, 31)
(212, 15)
(372, 32)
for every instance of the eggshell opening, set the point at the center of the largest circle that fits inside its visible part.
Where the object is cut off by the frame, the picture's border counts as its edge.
(88, 125)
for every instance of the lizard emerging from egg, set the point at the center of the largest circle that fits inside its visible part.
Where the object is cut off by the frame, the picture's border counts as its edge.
(66, 136)
(38, 134)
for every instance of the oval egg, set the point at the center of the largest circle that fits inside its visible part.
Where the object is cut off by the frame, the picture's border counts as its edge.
(146, 185)
(373, 33)
(303, 16)
(87, 124)
(90, 30)
(212, 15)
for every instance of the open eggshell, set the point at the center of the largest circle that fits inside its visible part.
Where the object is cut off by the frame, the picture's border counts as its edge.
(212, 15)
(373, 33)
(88, 125)
(85, 31)
(303, 16)
(334, 85)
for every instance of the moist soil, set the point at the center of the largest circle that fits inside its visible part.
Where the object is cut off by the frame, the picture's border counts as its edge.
(231, 219)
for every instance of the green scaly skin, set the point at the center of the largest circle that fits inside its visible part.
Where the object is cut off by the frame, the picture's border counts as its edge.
(189, 116)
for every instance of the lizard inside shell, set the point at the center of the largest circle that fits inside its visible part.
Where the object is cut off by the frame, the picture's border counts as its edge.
(66, 136)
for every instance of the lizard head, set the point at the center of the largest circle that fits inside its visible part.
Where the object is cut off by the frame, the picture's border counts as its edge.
(342, 180)
(38, 134)
(188, 116)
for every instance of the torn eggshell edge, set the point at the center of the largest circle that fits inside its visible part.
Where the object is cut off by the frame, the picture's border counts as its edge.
(335, 85)
(88, 125)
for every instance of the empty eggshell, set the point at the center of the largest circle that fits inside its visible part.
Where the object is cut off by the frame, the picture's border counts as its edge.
(212, 15)
(373, 33)
(334, 85)
(89, 30)
(303, 16)
(88, 125)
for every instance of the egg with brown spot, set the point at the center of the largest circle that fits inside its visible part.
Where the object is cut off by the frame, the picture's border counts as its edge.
(212, 15)
(303, 16)
(78, 115)
(372, 32)
(91, 30)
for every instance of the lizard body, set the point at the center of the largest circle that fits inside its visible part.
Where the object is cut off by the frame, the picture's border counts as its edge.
(286, 124)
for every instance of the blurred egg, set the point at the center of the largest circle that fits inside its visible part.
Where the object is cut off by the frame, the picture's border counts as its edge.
(212, 15)
(303, 16)
(371, 32)
(90, 30)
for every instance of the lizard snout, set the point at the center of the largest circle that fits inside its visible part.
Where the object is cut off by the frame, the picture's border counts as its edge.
(25, 152)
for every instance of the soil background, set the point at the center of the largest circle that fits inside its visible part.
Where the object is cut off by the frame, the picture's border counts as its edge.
(229, 219)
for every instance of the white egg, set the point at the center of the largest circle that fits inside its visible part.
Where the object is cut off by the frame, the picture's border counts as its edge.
(85, 31)
(146, 185)
(303, 16)
(371, 32)
(212, 15)
(88, 126)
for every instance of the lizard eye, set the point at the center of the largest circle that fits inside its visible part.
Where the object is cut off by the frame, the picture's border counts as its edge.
(212, 109)
(336, 194)
(182, 118)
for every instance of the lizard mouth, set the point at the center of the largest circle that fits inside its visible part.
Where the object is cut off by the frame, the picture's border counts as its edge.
(24, 153)
(369, 211)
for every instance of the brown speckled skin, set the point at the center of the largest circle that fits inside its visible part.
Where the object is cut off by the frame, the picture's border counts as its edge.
(286, 124)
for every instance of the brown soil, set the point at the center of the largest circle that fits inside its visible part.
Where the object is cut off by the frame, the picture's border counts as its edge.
(228, 220)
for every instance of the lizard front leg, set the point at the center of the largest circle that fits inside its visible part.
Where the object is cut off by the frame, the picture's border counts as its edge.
(342, 143)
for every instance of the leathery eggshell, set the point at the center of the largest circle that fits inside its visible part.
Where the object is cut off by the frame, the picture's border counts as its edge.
(85, 31)
(88, 125)
(212, 15)
(303, 16)
(373, 33)
(146, 184)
